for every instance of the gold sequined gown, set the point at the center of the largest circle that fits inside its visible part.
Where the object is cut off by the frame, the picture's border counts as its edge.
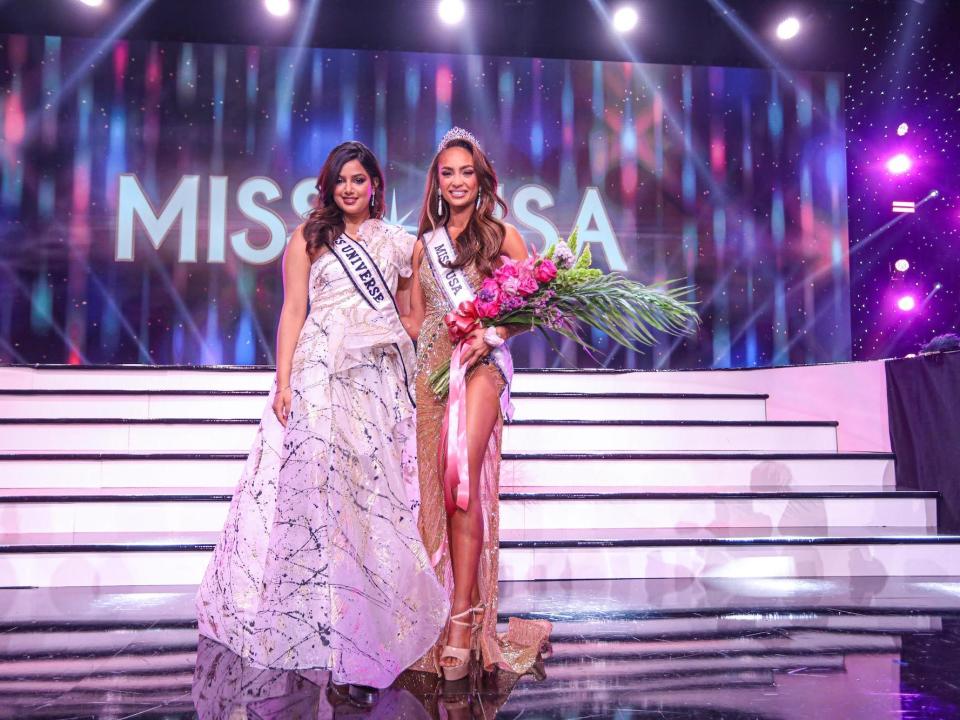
(516, 650)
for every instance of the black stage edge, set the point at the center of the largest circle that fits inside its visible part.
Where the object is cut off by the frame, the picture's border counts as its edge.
(923, 400)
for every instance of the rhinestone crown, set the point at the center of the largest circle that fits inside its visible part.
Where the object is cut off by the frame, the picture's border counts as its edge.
(457, 133)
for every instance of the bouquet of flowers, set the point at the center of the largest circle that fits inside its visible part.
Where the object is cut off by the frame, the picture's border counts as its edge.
(560, 291)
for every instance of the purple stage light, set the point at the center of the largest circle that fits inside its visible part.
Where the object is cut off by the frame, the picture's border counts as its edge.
(902, 265)
(903, 129)
(899, 164)
(906, 303)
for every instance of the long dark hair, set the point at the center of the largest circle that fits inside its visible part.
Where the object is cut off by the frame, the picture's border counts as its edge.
(482, 239)
(325, 222)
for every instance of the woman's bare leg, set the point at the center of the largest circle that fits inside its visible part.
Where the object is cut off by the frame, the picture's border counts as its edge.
(466, 526)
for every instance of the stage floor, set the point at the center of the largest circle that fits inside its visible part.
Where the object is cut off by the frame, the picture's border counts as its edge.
(836, 648)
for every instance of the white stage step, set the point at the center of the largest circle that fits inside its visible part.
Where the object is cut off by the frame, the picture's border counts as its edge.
(178, 510)
(642, 608)
(679, 471)
(197, 436)
(250, 404)
(729, 552)
(168, 559)
(219, 378)
(136, 377)
(614, 637)
(70, 658)
(689, 436)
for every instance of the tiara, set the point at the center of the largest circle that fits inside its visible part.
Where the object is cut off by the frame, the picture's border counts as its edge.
(457, 133)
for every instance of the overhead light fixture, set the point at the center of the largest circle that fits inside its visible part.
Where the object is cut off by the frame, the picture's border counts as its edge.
(625, 19)
(899, 164)
(92, 3)
(279, 8)
(451, 12)
(788, 28)
(907, 303)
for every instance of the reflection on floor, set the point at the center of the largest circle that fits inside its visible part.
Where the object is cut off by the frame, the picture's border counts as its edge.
(844, 649)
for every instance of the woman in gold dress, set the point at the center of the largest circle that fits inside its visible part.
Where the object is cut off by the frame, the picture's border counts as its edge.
(458, 214)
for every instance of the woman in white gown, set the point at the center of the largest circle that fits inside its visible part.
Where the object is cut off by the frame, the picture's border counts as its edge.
(320, 564)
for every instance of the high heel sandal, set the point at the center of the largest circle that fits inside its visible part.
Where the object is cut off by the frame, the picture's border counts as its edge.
(452, 673)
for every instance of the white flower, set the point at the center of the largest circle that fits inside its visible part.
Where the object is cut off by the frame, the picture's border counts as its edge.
(563, 256)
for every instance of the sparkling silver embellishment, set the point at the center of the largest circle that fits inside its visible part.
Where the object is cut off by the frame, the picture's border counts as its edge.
(457, 133)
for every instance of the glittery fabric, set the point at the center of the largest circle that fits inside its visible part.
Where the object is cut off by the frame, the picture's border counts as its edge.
(433, 348)
(320, 564)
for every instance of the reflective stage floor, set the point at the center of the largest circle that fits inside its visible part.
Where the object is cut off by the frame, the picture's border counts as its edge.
(844, 649)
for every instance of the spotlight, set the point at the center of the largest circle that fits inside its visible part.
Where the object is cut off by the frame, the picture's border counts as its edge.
(92, 3)
(625, 19)
(902, 129)
(451, 11)
(938, 286)
(906, 303)
(899, 164)
(280, 8)
(788, 28)
(902, 265)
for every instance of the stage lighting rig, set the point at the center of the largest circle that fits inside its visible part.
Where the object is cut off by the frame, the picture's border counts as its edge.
(899, 164)
(278, 8)
(451, 12)
(907, 303)
(788, 28)
(625, 19)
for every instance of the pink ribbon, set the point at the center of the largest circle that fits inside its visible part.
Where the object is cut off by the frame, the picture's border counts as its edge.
(453, 447)
(463, 321)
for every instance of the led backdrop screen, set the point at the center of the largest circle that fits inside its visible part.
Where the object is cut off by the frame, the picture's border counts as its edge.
(148, 189)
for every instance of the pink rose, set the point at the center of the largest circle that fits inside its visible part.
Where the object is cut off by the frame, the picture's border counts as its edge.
(488, 299)
(511, 285)
(487, 309)
(545, 271)
(507, 270)
(526, 283)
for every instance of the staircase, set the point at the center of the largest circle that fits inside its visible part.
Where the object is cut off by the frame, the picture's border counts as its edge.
(122, 476)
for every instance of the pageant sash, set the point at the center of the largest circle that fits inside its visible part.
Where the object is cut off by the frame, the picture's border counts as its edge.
(454, 458)
(454, 282)
(368, 281)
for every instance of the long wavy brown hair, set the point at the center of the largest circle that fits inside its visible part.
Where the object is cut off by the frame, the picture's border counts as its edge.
(325, 222)
(481, 241)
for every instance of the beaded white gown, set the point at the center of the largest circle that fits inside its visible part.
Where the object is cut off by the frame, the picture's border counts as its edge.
(320, 563)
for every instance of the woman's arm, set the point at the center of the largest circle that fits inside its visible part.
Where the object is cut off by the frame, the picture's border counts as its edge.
(296, 276)
(410, 298)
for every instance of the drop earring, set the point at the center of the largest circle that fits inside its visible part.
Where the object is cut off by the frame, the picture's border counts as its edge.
(439, 202)
(479, 198)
